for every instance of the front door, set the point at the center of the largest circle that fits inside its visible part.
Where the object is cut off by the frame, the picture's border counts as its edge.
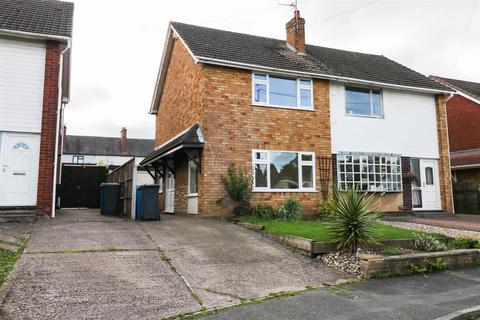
(19, 156)
(170, 193)
(425, 187)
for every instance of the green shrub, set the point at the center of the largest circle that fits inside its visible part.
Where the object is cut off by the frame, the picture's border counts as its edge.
(325, 209)
(392, 251)
(237, 184)
(290, 210)
(428, 243)
(462, 243)
(438, 265)
(264, 212)
(354, 220)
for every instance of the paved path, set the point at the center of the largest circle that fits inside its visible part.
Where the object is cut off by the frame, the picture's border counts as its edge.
(416, 297)
(85, 266)
(459, 221)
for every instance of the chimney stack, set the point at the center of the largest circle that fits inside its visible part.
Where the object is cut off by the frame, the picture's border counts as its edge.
(123, 140)
(296, 32)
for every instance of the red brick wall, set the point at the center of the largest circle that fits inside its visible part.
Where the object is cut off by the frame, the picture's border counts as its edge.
(463, 123)
(180, 107)
(233, 127)
(49, 118)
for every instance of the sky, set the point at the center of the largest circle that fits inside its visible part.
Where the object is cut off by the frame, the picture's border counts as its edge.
(118, 44)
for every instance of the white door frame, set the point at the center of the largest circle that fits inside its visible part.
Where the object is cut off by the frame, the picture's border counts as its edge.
(427, 191)
(169, 192)
(192, 197)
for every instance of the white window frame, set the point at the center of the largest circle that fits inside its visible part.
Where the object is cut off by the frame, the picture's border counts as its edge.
(267, 86)
(371, 115)
(190, 162)
(361, 155)
(78, 159)
(301, 163)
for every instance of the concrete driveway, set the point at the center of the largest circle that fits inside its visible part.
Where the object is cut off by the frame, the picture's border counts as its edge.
(85, 266)
(224, 263)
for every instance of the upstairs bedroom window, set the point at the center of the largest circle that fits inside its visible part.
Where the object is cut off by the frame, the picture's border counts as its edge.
(371, 172)
(283, 171)
(275, 91)
(363, 102)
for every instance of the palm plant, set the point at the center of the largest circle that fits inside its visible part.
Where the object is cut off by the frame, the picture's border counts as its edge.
(353, 220)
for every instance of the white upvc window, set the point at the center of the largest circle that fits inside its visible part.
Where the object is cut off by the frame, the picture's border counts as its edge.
(192, 179)
(371, 172)
(283, 171)
(282, 92)
(363, 102)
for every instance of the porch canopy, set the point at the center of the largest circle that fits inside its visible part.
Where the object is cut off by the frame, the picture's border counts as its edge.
(189, 141)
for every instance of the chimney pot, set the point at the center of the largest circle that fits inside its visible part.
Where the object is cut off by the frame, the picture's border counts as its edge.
(123, 140)
(296, 32)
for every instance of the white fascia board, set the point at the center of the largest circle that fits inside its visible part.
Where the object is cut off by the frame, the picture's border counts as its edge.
(247, 66)
(31, 35)
(466, 96)
(162, 71)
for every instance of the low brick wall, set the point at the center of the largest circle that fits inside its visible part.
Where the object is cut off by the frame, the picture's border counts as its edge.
(370, 265)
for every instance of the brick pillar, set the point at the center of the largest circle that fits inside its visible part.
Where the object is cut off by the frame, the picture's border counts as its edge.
(444, 162)
(49, 119)
(407, 185)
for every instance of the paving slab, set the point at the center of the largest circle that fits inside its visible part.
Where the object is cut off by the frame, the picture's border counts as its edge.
(79, 215)
(99, 285)
(53, 236)
(223, 262)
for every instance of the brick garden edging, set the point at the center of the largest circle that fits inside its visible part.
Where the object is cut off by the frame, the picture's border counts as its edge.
(371, 265)
(314, 248)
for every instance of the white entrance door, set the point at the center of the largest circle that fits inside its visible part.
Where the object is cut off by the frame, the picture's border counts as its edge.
(429, 181)
(192, 196)
(170, 193)
(19, 156)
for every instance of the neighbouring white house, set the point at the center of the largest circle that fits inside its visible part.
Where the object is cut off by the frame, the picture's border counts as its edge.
(104, 151)
(35, 43)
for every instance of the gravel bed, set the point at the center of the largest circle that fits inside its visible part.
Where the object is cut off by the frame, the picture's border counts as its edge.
(454, 233)
(342, 261)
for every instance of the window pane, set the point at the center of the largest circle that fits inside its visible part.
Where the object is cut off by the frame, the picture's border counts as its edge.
(307, 157)
(284, 170)
(307, 176)
(305, 98)
(260, 93)
(261, 77)
(305, 82)
(261, 175)
(415, 168)
(283, 92)
(376, 103)
(358, 101)
(192, 183)
(429, 176)
(261, 155)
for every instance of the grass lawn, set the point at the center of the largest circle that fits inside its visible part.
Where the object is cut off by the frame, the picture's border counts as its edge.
(317, 230)
(7, 261)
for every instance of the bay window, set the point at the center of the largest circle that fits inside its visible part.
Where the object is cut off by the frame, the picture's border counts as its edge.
(369, 172)
(276, 91)
(283, 170)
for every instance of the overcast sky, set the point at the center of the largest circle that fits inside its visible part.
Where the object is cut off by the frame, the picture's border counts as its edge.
(117, 45)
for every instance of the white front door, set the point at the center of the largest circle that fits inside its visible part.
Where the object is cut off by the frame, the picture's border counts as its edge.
(170, 193)
(19, 156)
(429, 185)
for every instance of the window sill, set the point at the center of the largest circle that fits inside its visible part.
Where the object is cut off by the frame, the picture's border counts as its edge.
(363, 116)
(192, 195)
(282, 107)
(285, 190)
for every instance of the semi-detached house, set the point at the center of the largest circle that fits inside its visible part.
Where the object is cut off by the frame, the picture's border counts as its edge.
(35, 39)
(303, 117)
